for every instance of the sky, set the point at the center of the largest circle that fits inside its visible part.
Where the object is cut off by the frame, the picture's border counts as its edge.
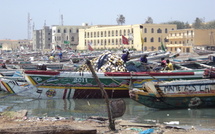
(14, 13)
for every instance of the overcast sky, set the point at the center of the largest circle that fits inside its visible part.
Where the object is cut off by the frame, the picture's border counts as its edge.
(14, 13)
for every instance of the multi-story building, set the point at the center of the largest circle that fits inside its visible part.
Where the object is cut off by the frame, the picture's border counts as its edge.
(187, 39)
(110, 37)
(14, 45)
(42, 39)
(66, 36)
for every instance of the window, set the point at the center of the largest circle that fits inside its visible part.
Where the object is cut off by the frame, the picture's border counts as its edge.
(145, 39)
(152, 39)
(112, 33)
(72, 38)
(152, 48)
(58, 30)
(70, 30)
(152, 30)
(159, 31)
(64, 30)
(77, 30)
(145, 30)
(166, 31)
(124, 32)
(159, 39)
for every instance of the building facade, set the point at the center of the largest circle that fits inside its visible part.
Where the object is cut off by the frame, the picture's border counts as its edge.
(187, 39)
(66, 36)
(14, 45)
(42, 39)
(110, 37)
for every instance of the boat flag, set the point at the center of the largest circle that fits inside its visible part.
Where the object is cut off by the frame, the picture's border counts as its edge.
(58, 47)
(124, 40)
(89, 46)
(163, 47)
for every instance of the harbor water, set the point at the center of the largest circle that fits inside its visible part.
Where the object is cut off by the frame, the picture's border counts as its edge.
(84, 108)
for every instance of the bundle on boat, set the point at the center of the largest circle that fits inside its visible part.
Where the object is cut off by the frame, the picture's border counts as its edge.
(109, 62)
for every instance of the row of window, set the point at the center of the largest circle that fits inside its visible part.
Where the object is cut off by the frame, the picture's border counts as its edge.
(65, 30)
(181, 42)
(183, 34)
(108, 33)
(118, 41)
(106, 42)
(58, 38)
(144, 48)
(153, 30)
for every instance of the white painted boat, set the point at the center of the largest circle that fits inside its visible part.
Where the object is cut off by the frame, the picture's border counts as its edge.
(28, 90)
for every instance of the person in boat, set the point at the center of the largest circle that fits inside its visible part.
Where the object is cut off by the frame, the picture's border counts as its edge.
(51, 58)
(126, 57)
(144, 59)
(60, 55)
(163, 62)
(4, 66)
(169, 65)
(42, 67)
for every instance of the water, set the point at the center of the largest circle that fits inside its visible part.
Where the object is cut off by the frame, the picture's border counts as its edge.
(83, 108)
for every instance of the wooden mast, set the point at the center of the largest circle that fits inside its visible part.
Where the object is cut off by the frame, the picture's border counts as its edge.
(110, 117)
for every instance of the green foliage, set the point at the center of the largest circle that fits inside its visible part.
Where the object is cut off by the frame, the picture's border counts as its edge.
(120, 20)
(209, 25)
(149, 20)
(180, 24)
(198, 23)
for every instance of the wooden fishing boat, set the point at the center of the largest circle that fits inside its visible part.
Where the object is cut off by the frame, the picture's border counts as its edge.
(15, 87)
(176, 94)
(116, 84)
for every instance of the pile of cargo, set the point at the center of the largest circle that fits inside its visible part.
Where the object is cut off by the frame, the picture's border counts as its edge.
(107, 62)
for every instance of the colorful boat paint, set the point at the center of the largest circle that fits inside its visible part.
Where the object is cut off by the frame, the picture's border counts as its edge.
(28, 90)
(116, 84)
(176, 94)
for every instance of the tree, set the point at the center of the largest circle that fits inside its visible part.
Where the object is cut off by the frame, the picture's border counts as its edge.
(198, 23)
(209, 25)
(149, 20)
(120, 20)
(180, 24)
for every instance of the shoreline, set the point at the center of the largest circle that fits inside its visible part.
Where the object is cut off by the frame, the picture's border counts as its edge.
(19, 122)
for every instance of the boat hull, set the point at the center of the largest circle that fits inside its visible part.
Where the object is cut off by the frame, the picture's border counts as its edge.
(116, 84)
(28, 90)
(178, 95)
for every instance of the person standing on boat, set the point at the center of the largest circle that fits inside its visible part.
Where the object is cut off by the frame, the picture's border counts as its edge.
(144, 59)
(60, 55)
(169, 65)
(126, 57)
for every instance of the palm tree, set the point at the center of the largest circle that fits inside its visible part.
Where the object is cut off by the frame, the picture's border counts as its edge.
(120, 20)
